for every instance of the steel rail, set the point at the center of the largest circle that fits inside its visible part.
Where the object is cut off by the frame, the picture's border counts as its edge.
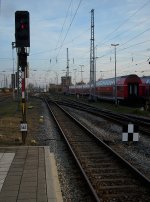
(140, 176)
(74, 155)
(122, 119)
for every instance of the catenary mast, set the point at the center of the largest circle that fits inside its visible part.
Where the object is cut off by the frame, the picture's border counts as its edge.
(92, 61)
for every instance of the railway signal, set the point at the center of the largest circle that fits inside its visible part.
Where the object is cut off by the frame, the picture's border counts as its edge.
(22, 42)
(22, 60)
(22, 29)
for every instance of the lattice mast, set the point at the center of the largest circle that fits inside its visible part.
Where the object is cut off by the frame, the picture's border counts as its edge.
(92, 60)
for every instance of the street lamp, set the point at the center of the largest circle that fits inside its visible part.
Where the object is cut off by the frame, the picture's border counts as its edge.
(115, 74)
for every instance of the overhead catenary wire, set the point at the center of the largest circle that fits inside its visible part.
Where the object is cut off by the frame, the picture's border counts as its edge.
(119, 50)
(127, 42)
(64, 23)
(67, 43)
(70, 26)
(125, 21)
(117, 28)
(0, 6)
(59, 48)
(126, 31)
(133, 38)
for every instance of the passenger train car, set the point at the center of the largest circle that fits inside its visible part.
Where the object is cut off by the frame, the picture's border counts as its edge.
(129, 89)
(146, 87)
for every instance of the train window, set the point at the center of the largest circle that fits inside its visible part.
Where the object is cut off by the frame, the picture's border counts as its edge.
(148, 81)
(130, 90)
(133, 89)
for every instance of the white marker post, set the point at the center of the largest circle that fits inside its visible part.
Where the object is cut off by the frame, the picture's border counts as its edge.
(130, 133)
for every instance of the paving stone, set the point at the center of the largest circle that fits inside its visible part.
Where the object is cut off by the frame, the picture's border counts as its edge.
(8, 199)
(25, 195)
(25, 174)
(7, 193)
(29, 200)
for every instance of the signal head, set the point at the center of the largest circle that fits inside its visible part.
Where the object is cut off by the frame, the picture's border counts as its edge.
(22, 29)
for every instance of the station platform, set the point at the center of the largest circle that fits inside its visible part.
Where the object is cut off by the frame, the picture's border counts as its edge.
(28, 174)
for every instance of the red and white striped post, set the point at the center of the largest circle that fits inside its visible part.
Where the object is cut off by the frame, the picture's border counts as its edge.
(23, 64)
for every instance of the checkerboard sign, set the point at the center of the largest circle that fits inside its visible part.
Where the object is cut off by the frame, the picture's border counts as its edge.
(130, 133)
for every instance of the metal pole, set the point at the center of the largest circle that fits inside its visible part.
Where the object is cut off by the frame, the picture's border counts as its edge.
(115, 74)
(4, 80)
(13, 82)
(75, 79)
(115, 80)
(56, 82)
(67, 73)
(92, 60)
(22, 55)
(82, 77)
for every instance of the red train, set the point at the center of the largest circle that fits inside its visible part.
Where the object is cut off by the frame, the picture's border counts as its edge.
(146, 88)
(130, 88)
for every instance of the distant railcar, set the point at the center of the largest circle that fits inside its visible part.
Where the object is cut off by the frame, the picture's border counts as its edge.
(129, 89)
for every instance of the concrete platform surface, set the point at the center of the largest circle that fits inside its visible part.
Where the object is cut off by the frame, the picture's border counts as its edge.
(28, 174)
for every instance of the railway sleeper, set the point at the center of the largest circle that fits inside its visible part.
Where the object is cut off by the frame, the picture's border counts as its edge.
(95, 157)
(114, 180)
(123, 197)
(112, 176)
(101, 165)
(115, 189)
(111, 170)
(118, 181)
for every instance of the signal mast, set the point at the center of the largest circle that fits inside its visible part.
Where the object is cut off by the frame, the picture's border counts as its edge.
(22, 42)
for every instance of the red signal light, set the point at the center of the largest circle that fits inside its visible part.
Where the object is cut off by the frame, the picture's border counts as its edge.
(22, 26)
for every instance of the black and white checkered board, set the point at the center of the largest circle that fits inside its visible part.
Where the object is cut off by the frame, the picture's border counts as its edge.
(130, 133)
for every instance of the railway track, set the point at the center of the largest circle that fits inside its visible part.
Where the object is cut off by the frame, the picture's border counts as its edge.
(108, 175)
(122, 119)
(4, 97)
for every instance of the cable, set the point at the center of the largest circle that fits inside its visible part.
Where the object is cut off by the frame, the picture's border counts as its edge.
(0, 6)
(73, 39)
(134, 45)
(145, 4)
(124, 32)
(119, 50)
(64, 23)
(135, 36)
(69, 26)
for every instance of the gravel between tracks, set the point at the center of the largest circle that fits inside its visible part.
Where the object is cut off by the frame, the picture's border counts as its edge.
(72, 184)
(137, 153)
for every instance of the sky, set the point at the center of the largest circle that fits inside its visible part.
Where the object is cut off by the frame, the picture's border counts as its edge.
(60, 24)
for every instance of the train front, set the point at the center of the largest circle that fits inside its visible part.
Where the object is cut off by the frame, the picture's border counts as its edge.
(132, 89)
